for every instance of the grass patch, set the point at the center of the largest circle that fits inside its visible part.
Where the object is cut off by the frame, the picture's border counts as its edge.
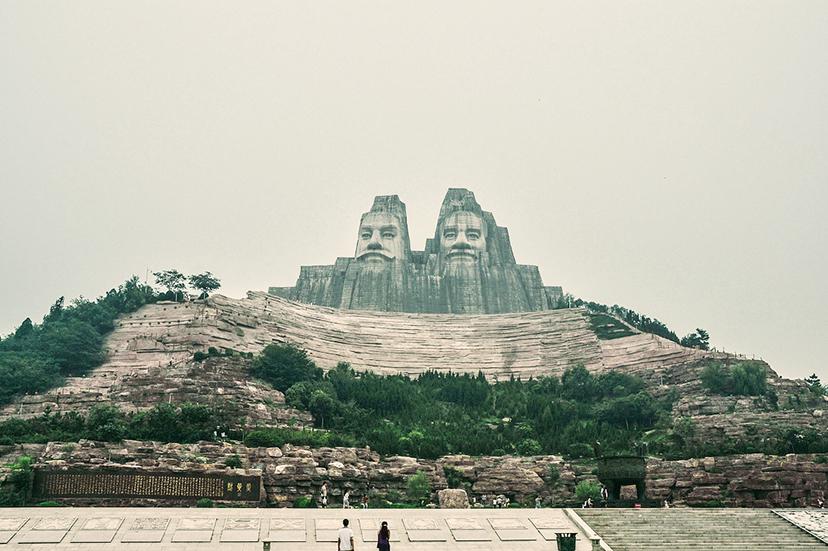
(607, 327)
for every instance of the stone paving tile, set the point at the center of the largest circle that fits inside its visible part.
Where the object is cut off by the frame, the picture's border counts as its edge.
(287, 524)
(12, 524)
(517, 535)
(370, 526)
(417, 523)
(812, 521)
(192, 536)
(241, 523)
(327, 535)
(471, 535)
(6, 535)
(287, 536)
(287, 530)
(150, 524)
(328, 524)
(239, 535)
(143, 536)
(43, 536)
(426, 535)
(102, 523)
(507, 523)
(94, 536)
(196, 524)
(552, 523)
(463, 524)
(54, 524)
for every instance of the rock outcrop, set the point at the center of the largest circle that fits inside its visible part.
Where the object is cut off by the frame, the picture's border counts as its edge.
(288, 473)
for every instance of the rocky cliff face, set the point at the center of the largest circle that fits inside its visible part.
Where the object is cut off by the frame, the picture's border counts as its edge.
(289, 472)
(754, 480)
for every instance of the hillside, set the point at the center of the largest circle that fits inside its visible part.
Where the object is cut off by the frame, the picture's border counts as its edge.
(150, 353)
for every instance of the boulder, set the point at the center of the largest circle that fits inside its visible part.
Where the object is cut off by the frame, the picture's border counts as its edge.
(453, 499)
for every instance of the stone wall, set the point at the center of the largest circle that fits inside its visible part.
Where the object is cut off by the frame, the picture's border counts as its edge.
(291, 472)
(754, 480)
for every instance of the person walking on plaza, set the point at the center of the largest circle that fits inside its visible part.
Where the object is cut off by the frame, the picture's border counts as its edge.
(345, 539)
(537, 502)
(365, 501)
(346, 500)
(324, 492)
(384, 537)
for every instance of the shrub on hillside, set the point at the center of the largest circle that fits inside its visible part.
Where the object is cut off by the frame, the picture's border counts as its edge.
(586, 489)
(283, 365)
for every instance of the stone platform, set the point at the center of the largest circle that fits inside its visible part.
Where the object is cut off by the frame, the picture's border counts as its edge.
(437, 529)
(295, 529)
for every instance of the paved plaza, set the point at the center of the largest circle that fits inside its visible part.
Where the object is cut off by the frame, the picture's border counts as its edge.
(190, 529)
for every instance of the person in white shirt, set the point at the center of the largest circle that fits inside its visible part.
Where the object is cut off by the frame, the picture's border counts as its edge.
(345, 540)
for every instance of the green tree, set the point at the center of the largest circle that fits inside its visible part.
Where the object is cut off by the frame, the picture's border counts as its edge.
(716, 378)
(74, 346)
(284, 365)
(321, 406)
(700, 339)
(529, 446)
(419, 489)
(578, 384)
(813, 383)
(173, 280)
(25, 373)
(206, 283)
(25, 329)
(55, 311)
(105, 423)
(749, 378)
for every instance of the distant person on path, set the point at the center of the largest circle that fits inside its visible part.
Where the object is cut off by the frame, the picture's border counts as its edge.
(345, 539)
(384, 537)
(365, 501)
(346, 500)
(537, 502)
(324, 492)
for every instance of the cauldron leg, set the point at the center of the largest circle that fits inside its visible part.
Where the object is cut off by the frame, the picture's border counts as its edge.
(639, 490)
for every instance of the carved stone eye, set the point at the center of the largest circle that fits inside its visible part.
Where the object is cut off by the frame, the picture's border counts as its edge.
(388, 235)
(449, 235)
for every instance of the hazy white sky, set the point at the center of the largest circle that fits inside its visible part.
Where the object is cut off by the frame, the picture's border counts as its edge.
(670, 157)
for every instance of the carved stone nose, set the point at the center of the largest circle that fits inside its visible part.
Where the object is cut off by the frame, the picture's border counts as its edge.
(461, 243)
(374, 244)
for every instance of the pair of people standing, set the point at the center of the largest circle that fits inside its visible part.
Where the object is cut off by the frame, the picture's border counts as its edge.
(345, 539)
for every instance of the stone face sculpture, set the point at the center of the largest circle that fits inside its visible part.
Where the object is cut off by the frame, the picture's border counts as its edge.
(467, 268)
(383, 232)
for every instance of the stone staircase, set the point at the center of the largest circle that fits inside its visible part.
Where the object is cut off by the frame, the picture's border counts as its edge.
(697, 529)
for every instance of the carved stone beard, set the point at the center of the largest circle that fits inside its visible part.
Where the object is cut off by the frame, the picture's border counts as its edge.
(463, 286)
(376, 286)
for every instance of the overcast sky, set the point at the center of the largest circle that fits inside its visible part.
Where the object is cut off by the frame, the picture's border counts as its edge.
(669, 157)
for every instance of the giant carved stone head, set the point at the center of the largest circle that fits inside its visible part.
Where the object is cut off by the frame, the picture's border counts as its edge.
(463, 237)
(383, 232)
